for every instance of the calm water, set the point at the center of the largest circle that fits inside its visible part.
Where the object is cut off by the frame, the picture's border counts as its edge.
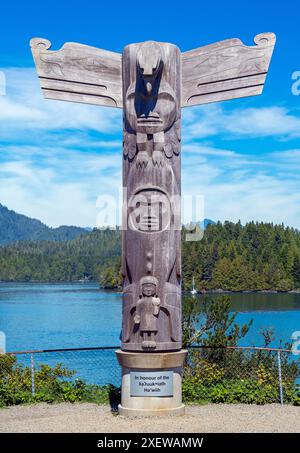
(45, 316)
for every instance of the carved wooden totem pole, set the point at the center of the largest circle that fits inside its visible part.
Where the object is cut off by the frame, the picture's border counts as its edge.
(151, 174)
(152, 81)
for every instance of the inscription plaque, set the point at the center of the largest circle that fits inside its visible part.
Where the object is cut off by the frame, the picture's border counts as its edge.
(151, 383)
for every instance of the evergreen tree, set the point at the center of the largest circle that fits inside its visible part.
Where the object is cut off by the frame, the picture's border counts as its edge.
(295, 273)
(257, 256)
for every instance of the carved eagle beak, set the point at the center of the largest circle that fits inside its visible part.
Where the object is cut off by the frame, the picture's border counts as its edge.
(149, 60)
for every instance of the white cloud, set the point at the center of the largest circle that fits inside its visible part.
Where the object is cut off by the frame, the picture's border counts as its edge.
(198, 148)
(24, 108)
(56, 186)
(61, 186)
(274, 121)
(245, 187)
(56, 158)
(211, 120)
(13, 111)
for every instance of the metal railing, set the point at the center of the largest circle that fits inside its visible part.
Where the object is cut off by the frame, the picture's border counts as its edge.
(208, 370)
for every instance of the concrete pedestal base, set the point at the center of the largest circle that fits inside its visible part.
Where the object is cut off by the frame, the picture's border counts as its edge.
(147, 362)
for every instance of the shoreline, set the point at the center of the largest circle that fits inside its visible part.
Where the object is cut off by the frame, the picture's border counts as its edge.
(119, 289)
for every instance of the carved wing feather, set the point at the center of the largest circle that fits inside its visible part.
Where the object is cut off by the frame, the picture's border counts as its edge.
(79, 73)
(225, 70)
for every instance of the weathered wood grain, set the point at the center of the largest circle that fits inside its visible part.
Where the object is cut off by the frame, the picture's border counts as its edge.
(151, 258)
(225, 70)
(79, 73)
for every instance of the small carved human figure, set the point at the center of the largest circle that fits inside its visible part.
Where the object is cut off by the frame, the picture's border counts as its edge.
(147, 311)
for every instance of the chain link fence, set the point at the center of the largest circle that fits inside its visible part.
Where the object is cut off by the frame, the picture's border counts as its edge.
(213, 374)
(97, 365)
(242, 374)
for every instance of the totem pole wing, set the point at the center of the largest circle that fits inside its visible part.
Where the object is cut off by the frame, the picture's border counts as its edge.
(79, 73)
(225, 70)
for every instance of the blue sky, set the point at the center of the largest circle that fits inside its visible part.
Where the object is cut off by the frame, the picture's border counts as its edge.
(58, 158)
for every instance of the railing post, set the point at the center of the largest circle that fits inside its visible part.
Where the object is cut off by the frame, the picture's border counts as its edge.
(32, 374)
(280, 377)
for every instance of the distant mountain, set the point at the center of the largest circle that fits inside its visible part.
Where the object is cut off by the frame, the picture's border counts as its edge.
(203, 224)
(17, 227)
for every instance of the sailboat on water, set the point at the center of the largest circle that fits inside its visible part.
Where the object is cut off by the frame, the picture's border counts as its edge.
(193, 290)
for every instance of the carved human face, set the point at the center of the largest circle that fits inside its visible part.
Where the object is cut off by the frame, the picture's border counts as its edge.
(148, 289)
(149, 210)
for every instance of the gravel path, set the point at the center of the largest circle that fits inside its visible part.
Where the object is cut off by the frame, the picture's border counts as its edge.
(207, 418)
